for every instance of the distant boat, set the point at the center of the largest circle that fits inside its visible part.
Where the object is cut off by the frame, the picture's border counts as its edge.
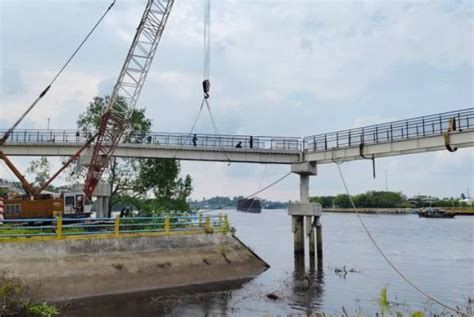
(249, 205)
(434, 213)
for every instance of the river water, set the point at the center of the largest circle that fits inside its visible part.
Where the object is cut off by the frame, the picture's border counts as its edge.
(436, 254)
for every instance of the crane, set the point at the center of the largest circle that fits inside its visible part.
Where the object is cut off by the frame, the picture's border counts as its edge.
(115, 118)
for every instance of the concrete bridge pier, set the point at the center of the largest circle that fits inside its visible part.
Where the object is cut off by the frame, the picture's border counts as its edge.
(306, 212)
(102, 192)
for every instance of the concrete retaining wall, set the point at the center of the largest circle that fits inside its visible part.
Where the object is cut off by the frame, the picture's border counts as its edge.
(72, 269)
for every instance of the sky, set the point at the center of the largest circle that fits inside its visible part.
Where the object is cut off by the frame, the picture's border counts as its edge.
(276, 70)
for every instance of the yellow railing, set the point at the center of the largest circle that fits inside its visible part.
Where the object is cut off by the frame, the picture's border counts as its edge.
(17, 230)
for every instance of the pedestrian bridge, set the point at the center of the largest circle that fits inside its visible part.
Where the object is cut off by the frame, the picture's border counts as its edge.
(454, 129)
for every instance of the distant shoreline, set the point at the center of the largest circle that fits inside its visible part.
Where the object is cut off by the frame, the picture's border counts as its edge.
(399, 211)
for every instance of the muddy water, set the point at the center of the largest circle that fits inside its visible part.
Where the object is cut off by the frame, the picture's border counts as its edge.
(436, 254)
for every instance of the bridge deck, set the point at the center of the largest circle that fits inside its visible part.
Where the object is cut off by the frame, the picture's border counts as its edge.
(394, 138)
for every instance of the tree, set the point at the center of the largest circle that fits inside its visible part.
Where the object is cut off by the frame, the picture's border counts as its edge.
(325, 201)
(133, 180)
(463, 196)
(162, 178)
(342, 201)
(40, 169)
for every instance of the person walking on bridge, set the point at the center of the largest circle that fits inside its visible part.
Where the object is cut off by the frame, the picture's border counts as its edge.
(195, 138)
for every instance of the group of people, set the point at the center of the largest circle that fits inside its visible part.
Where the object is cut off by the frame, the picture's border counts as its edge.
(238, 145)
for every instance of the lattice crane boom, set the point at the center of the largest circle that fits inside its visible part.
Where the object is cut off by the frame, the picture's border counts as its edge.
(126, 91)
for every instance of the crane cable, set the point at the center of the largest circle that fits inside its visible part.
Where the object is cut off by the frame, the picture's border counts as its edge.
(206, 83)
(68, 61)
(382, 253)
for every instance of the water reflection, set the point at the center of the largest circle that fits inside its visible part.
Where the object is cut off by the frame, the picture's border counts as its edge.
(308, 285)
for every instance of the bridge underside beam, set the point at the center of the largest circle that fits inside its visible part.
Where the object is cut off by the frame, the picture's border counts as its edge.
(140, 151)
(410, 146)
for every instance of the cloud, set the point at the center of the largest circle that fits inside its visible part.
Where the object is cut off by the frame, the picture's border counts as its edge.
(312, 67)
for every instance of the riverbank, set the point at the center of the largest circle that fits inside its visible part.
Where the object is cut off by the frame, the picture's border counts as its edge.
(72, 269)
(400, 211)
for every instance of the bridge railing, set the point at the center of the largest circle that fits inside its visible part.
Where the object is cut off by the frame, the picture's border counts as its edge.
(391, 131)
(168, 139)
(62, 228)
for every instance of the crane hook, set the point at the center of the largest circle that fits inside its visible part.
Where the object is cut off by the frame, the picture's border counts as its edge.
(206, 86)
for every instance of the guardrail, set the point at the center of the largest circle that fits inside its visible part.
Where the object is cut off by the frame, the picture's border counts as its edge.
(387, 132)
(392, 131)
(61, 228)
(168, 139)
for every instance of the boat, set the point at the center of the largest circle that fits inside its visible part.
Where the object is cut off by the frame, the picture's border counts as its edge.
(435, 213)
(249, 205)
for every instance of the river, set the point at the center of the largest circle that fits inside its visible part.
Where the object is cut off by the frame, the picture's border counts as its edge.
(436, 254)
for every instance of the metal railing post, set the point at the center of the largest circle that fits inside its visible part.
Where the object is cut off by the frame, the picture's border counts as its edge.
(168, 224)
(225, 225)
(117, 226)
(220, 221)
(59, 227)
(440, 125)
(207, 225)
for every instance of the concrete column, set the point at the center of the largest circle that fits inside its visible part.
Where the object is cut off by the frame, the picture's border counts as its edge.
(319, 234)
(303, 209)
(311, 235)
(102, 206)
(298, 233)
(304, 188)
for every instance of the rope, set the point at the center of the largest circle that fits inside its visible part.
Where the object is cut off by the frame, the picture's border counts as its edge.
(45, 90)
(379, 249)
(261, 184)
(259, 191)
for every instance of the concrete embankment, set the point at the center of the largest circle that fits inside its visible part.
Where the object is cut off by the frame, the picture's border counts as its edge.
(72, 269)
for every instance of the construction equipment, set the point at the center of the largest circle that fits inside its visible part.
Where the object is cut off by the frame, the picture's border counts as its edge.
(115, 119)
(113, 124)
(35, 204)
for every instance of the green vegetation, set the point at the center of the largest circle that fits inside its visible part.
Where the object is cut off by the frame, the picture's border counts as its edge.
(383, 300)
(133, 180)
(386, 199)
(41, 170)
(41, 310)
(16, 299)
(220, 202)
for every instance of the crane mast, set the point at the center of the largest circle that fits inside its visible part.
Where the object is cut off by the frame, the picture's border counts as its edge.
(115, 119)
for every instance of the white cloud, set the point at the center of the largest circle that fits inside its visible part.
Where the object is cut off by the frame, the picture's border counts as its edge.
(277, 69)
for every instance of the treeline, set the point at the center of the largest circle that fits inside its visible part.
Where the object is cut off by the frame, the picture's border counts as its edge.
(386, 199)
(231, 202)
